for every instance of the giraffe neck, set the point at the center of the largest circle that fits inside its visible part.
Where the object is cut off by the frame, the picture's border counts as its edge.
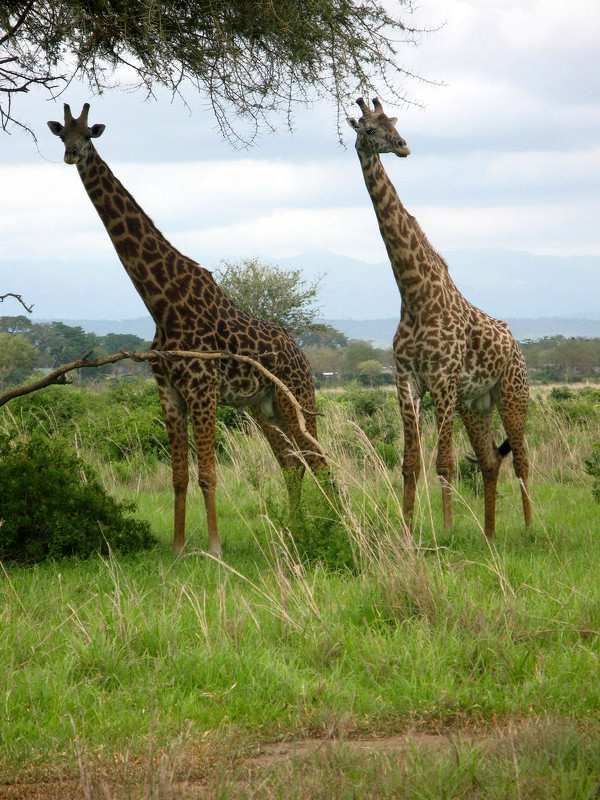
(415, 264)
(157, 270)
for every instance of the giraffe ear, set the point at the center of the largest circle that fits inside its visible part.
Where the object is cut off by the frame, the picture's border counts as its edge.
(393, 120)
(353, 123)
(55, 127)
(97, 130)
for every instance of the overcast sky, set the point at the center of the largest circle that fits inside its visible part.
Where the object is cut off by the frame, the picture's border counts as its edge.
(506, 153)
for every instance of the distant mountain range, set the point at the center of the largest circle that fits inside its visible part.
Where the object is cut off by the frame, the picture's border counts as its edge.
(507, 284)
(538, 295)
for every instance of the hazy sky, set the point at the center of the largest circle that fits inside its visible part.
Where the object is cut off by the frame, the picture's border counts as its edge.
(506, 153)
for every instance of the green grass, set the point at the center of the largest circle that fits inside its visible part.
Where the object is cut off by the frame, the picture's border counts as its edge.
(496, 644)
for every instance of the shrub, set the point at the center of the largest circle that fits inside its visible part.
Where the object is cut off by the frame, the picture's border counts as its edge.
(376, 411)
(577, 406)
(592, 467)
(469, 473)
(55, 409)
(52, 506)
(560, 393)
(318, 534)
(119, 423)
(389, 454)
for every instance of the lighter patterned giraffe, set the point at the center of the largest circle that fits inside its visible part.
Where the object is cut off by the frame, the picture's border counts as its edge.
(193, 313)
(469, 361)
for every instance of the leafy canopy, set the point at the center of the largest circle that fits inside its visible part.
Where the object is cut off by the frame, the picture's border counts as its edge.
(266, 291)
(246, 57)
(16, 353)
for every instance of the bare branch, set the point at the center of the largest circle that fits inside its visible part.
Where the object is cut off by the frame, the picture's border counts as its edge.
(18, 297)
(58, 376)
(17, 24)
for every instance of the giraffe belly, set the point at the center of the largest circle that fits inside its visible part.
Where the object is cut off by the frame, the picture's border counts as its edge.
(477, 396)
(246, 393)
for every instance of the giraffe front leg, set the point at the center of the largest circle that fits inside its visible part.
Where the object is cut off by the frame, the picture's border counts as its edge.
(410, 409)
(444, 399)
(203, 411)
(175, 414)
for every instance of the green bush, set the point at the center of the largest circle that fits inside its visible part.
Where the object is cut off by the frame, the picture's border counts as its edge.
(469, 473)
(376, 411)
(389, 454)
(592, 467)
(56, 409)
(560, 393)
(578, 406)
(122, 422)
(317, 532)
(52, 506)
(319, 535)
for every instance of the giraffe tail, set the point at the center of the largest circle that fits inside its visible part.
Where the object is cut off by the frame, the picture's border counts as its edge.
(504, 448)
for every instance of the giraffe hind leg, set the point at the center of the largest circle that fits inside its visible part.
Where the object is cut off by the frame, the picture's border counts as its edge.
(513, 415)
(282, 444)
(479, 429)
(203, 410)
(410, 410)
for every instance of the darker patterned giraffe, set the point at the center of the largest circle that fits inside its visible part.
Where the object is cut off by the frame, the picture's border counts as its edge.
(192, 312)
(469, 361)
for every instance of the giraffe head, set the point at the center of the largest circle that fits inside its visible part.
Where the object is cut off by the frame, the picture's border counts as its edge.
(76, 134)
(376, 132)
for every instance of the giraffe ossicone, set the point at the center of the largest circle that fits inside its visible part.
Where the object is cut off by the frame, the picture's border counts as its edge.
(469, 361)
(193, 313)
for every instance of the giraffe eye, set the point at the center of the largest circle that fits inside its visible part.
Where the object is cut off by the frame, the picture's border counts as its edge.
(370, 130)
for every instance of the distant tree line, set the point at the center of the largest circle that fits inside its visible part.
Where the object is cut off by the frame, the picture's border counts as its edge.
(558, 359)
(285, 298)
(27, 347)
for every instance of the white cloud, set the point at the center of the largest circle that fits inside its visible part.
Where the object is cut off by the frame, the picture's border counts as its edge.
(505, 155)
(551, 228)
(557, 169)
(350, 231)
(547, 23)
(478, 28)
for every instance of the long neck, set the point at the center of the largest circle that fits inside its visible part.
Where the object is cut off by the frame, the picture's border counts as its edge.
(150, 260)
(414, 261)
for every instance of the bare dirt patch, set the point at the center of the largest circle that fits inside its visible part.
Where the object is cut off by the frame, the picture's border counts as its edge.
(228, 770)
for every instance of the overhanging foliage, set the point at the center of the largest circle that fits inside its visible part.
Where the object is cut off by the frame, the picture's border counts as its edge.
(248, 58)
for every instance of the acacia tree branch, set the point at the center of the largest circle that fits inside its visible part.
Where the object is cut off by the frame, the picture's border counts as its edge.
(17, 24)
(18, 297)
(58, 377)
(249, 58)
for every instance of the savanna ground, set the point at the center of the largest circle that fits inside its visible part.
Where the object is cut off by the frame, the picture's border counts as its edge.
(347, 660)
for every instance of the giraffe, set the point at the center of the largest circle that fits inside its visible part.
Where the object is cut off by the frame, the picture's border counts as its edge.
(193, 313)
(469, 361)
